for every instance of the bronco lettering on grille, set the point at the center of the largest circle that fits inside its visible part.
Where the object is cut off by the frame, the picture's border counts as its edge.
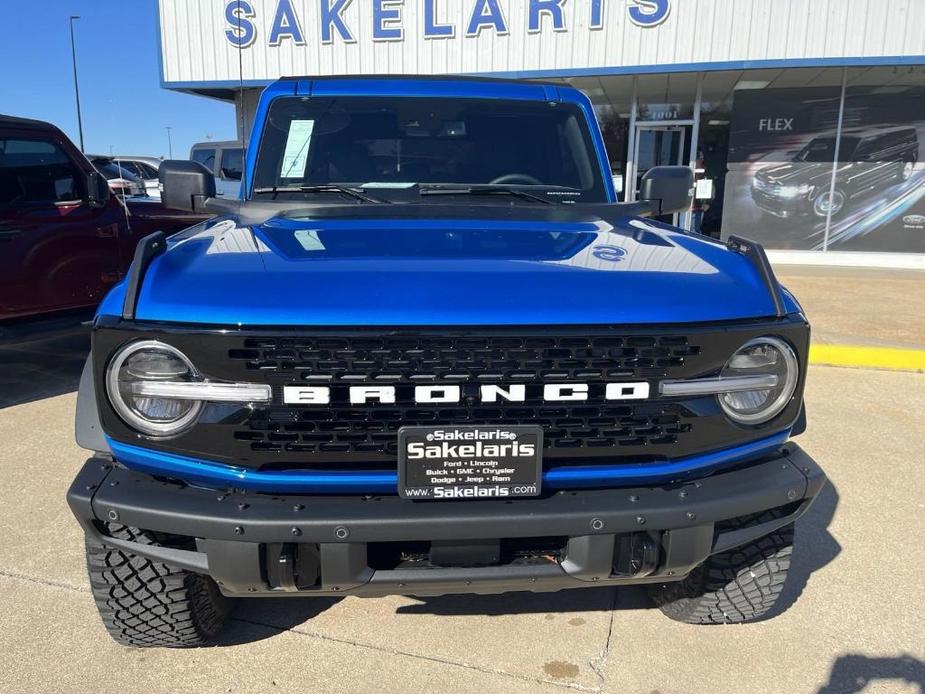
(558, 392)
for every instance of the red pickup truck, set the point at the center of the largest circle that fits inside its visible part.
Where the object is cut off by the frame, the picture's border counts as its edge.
(64, 239)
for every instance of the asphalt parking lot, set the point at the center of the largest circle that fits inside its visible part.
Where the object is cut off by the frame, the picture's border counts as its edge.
(852, 618)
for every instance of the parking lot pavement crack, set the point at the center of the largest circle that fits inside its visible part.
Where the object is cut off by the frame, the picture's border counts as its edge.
(442, 661)
(42, 581)
(598, 664)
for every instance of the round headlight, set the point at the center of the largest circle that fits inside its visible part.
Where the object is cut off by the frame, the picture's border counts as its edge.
(142, 363)
(763, 356)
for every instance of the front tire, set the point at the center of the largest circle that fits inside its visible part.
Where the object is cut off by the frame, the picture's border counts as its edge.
(738, 586)
(147, 603)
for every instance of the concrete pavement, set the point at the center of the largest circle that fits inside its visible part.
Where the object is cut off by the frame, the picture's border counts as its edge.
(860, 306)
(43, 368)
(852, 618)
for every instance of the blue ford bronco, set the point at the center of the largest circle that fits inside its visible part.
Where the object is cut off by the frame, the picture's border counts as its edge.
(429, 353)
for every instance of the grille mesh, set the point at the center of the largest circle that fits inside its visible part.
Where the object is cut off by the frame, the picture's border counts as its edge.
(373, 429)
(423, 358)
(595, 426)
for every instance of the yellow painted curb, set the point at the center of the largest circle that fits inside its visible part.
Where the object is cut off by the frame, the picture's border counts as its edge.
(868, 357)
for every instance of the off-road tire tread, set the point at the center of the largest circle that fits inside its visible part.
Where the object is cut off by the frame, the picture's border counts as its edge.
(147, 603)
(738, 586)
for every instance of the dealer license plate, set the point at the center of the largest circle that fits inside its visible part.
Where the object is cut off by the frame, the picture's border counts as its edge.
(469, 462)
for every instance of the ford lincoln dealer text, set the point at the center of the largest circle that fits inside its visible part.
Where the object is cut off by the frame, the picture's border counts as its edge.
(426, 353)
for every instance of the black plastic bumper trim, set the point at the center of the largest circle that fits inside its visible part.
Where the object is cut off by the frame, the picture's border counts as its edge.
(142, 501)
(230, 526)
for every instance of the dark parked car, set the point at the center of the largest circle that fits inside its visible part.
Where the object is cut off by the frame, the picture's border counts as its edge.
(65, 240)
(869, 161)
(122, 181)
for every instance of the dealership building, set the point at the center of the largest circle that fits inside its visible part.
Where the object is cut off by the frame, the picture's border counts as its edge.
(803, 119)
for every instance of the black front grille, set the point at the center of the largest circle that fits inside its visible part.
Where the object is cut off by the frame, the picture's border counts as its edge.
(344, 436)
(591, 426)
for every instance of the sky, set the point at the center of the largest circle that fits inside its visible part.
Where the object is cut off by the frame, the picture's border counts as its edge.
(122, 102)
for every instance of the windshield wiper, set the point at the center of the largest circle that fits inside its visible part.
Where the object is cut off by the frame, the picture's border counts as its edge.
(514, 192)
(322, 188)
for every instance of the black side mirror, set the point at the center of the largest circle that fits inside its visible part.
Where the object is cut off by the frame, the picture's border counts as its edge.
(97, 189)
(185, 185)
(668, 188)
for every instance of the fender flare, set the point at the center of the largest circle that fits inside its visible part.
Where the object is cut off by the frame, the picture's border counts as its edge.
(87, 425)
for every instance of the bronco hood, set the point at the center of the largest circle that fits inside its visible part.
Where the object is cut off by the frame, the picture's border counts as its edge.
(424, 265)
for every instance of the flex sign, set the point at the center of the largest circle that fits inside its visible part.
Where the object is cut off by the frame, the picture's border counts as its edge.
(302, 22)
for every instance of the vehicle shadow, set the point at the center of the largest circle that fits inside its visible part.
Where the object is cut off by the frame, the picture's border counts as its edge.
(255, 619)
(814, 547)
(565, 601)
(42, 368)
(853, 672)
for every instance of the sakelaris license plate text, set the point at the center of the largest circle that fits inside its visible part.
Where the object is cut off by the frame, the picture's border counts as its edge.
(471, 462)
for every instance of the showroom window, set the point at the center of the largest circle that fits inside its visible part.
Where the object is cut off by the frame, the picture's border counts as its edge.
(829, 161)
(809, 159)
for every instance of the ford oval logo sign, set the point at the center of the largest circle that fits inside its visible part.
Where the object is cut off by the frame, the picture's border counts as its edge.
(914, 220)
(614, 254)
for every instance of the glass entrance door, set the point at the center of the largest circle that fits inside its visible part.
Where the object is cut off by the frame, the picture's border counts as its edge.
(659, 145)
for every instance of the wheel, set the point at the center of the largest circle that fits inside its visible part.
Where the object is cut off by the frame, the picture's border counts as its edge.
(907, 170)
(734, 587)
(147, 603)
(835, 200)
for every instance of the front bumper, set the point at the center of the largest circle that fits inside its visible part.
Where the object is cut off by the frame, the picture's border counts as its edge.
(785, 208)
(258, 544)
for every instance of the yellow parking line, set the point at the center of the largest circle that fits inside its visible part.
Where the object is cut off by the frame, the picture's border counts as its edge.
(868, 357)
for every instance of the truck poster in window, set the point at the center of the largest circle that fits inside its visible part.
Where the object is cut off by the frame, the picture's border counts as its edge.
(783, 145)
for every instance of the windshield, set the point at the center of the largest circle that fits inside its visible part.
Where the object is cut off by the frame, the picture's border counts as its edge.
(393, 143)
(822, 150)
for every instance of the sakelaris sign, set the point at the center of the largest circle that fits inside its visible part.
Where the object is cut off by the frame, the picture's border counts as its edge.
(244, 26)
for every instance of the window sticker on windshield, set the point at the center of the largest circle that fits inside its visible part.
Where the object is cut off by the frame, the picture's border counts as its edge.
(296, 154)
(309, 240)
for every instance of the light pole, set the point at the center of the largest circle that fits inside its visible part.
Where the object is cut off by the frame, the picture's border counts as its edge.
(169, 142)
(80, 125)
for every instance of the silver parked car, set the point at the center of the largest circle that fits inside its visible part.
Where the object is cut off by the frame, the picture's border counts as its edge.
(144, 168)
